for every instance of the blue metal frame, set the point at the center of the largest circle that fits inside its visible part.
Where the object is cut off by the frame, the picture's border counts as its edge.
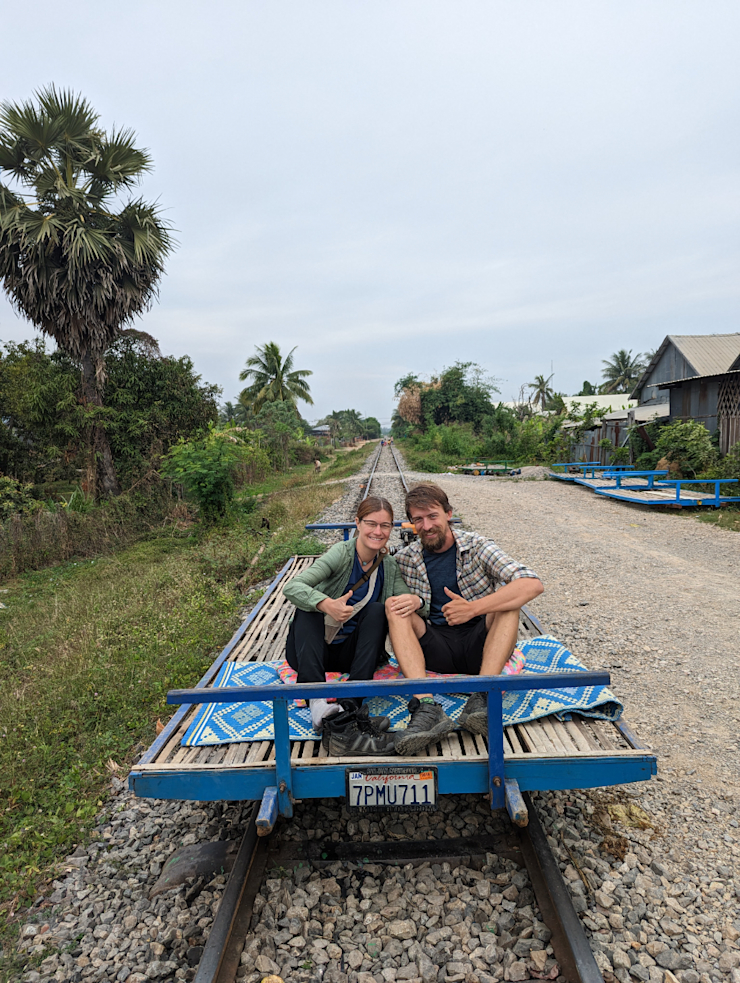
(289, 779)
(676, 483)
(501, 779)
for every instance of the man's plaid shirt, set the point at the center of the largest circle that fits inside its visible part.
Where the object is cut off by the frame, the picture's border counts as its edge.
(481, 568)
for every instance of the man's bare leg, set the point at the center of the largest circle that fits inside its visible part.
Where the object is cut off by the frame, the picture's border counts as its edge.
(503, 629)
(405, 634)
(428, 720)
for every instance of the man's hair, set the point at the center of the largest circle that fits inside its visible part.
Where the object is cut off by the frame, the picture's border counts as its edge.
(426, 496)
(373, 503)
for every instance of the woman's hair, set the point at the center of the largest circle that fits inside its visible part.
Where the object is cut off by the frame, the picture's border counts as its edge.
(426, 496)
(373, 503)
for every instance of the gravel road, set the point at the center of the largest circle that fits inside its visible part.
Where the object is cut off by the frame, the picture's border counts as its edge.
(652, 597)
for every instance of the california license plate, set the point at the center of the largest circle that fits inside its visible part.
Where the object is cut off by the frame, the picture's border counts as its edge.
(397, 789)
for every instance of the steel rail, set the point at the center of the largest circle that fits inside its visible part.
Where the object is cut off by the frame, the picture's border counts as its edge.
(372, 473)
(400, 472)
(222, 952)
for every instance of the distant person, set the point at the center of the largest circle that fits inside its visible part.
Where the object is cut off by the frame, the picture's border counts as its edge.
(340, 626)
(463, 616)
(317, 466)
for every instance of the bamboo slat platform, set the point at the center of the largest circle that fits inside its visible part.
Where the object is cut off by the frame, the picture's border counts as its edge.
(545, 753)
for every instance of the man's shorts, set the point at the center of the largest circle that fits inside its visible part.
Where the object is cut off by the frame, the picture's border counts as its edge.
(455, 648)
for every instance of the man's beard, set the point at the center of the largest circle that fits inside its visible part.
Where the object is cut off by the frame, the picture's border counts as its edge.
(433, 539)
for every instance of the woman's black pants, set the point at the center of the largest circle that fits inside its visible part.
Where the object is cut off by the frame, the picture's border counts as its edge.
(359, 655)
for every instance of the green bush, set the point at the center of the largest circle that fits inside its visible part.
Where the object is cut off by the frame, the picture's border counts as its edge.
(16, 498)
(688, 444)
(210, 467)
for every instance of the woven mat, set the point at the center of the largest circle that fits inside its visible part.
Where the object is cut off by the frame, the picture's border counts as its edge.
(227, 723)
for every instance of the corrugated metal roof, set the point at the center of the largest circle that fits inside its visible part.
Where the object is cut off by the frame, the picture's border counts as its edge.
(710, 354)
(693, 378)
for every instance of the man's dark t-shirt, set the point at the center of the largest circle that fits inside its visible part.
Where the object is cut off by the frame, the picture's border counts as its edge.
(442, 572)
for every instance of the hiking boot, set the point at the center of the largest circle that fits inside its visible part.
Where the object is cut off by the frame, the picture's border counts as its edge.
(428, 723)
(372, 725)
(350, 738)
(474, 716)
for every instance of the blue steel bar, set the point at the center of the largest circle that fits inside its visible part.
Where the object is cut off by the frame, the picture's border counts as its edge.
(283, 773)
(496, 750)
(379, 687)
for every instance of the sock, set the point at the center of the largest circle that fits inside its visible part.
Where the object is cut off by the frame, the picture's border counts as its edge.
(320, 710)
(427, 699)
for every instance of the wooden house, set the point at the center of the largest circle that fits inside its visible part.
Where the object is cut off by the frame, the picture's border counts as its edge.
(698, 376)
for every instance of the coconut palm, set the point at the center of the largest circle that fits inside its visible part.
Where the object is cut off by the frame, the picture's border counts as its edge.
(78, 263)
(622, 371)
(542, 390)
(274, 380)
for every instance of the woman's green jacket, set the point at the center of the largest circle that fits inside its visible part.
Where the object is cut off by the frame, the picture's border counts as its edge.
(328, 576)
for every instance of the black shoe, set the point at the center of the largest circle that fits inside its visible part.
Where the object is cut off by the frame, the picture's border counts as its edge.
(428, 723)
(474, 716)
(361, 716)
(374, 725)
(351, 741)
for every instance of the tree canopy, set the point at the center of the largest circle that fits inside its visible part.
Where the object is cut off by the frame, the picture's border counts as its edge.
(459, 394)
(151, 402)
(542, 392)
(621, 371)
(273, 378)
(349, 424)
(76, 262)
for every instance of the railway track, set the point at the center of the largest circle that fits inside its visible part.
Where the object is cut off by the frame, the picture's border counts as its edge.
(253, 899)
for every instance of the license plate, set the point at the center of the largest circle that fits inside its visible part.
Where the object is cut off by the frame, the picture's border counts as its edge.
(396, 789)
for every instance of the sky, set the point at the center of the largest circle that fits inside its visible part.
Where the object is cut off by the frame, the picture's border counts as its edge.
(395, 186)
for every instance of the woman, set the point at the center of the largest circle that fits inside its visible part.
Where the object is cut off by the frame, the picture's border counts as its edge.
(340, 624)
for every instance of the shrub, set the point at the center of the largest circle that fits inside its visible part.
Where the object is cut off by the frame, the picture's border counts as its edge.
(687, 444)
(16, 498)
(210, 467)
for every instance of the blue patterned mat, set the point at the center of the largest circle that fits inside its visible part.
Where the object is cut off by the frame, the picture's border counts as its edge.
(226, 723)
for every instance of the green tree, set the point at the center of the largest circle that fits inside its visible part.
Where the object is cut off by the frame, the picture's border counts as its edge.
(621, 372)
(78, 263)
(542, 391)
(151, 402)
(279, 425)
(236, 413)
(460, 394)
(274, 380)
(371, 428)
(588, 389)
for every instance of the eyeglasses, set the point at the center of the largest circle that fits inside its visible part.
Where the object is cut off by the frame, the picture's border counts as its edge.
(383, 526)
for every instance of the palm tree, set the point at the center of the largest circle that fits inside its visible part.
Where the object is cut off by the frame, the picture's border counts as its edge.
(542, 391)
(73, 261)
(273, 379)
(622, 371)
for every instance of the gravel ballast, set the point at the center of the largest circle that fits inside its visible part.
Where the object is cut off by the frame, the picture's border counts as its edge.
(652, 868)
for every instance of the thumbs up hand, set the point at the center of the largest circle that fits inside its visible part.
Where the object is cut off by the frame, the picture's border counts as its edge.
(457, 610)
(338, 608)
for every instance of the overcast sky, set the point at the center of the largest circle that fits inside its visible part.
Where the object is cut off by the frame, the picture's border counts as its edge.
(394, 186)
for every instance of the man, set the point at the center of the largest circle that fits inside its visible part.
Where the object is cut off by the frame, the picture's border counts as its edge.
(463, 614)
